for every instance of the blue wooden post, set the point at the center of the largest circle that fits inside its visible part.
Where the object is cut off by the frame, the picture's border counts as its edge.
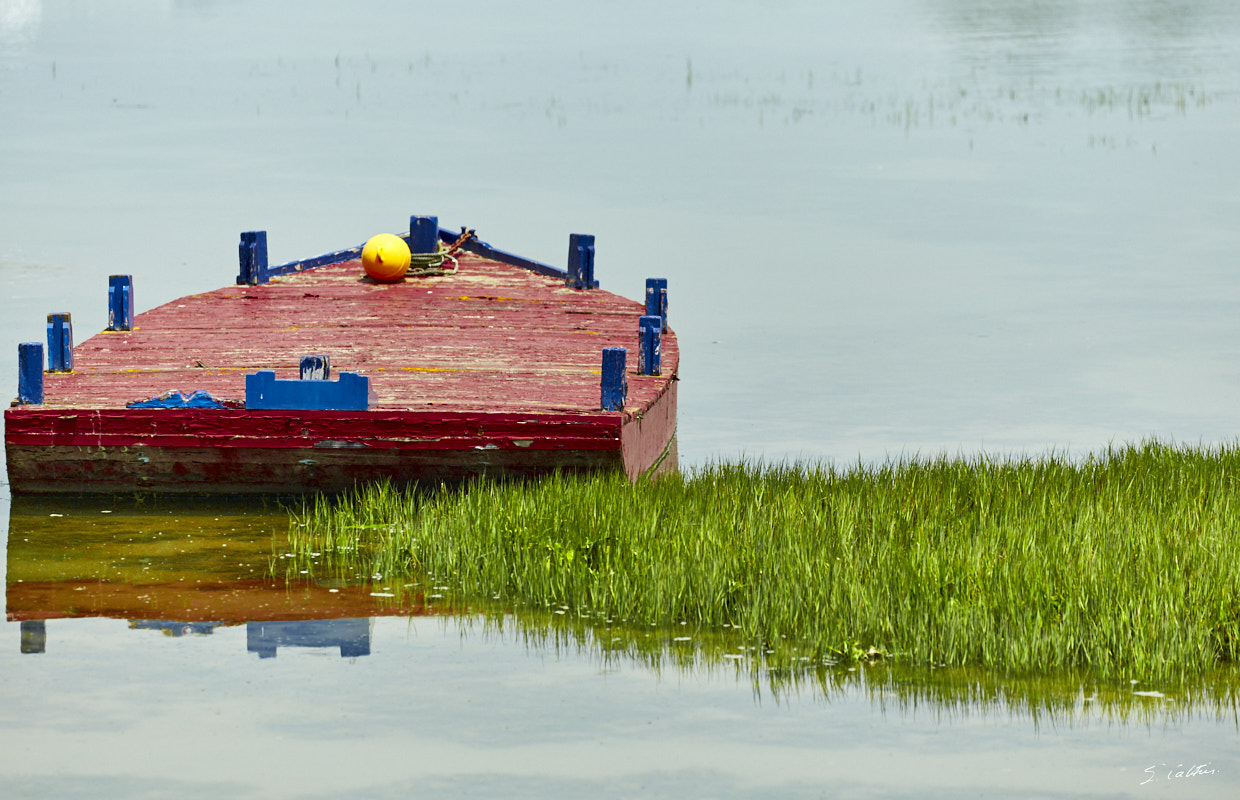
(120, 302)
(423, 234)
(649, 345)
(316, 368)
(60, 342)
(615, 384)
(581, 261)
(30, 373)
(252, 253)
(656, 299)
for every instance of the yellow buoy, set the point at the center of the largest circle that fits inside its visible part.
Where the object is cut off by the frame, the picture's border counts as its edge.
(385, 258)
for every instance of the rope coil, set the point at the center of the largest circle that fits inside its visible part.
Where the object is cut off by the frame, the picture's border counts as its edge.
(422, 265)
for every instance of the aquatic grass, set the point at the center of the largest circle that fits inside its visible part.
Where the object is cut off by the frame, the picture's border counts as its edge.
(1125, 564)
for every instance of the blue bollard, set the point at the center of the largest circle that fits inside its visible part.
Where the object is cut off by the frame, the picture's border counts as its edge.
(423, 234)
(614, 384)
(60, 342)
(316, 368)
(581, 261)
(120, 303)
(30, 373)
(252, 253)
(656, 299)
(649, 345)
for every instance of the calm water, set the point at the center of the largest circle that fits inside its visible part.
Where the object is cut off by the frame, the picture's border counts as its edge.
(889, 228)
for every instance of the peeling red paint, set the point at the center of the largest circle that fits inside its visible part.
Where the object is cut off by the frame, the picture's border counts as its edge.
(492, 370)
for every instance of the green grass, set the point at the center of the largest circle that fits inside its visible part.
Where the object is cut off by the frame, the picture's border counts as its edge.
(1126, 565)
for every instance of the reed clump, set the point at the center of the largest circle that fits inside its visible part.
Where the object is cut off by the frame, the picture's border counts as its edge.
(1125, 564)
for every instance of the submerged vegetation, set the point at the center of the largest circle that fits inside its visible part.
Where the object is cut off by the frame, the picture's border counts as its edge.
(1125, 565)
(1060, 697)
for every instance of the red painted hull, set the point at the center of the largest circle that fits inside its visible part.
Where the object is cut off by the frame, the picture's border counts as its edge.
(493, 371)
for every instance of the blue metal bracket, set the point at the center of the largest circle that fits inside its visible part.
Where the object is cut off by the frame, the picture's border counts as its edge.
(293, 267)
(60, 342)
(614, 384)
(650, 345)
(252, 253)
(120, 302)
(581, 261)
(350, 393)
(30, 373)
(487, 251)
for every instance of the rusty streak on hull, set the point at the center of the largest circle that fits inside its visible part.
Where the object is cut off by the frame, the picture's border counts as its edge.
(490, 371)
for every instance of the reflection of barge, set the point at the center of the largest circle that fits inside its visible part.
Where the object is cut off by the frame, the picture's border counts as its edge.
(351, 636)
(200, 600)
(187, 569)
(494, 369)
(188, 560)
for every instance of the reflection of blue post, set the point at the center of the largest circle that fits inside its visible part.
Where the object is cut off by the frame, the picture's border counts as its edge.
(656, 299)
(423, 234)
(34, 636)
(581, 261)
(120, 303)
(252, 253)
(30, 373)
(650, 345)
(615, 387)
(60, 342)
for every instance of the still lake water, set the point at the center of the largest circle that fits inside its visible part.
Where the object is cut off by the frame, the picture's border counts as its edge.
(889, 228)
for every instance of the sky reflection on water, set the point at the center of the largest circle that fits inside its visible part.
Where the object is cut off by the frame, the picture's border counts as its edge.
(378, 689)
(890, 228)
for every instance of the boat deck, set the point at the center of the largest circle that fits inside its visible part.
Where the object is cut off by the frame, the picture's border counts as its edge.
(492, 337)
(494, 357)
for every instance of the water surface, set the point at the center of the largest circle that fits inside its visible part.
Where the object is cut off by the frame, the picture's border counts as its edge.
(889, 228)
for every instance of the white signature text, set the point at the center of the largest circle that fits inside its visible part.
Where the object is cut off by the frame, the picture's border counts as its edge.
(1155, 771)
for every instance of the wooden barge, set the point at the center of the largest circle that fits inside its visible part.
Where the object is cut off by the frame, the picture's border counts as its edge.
(505, 367)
